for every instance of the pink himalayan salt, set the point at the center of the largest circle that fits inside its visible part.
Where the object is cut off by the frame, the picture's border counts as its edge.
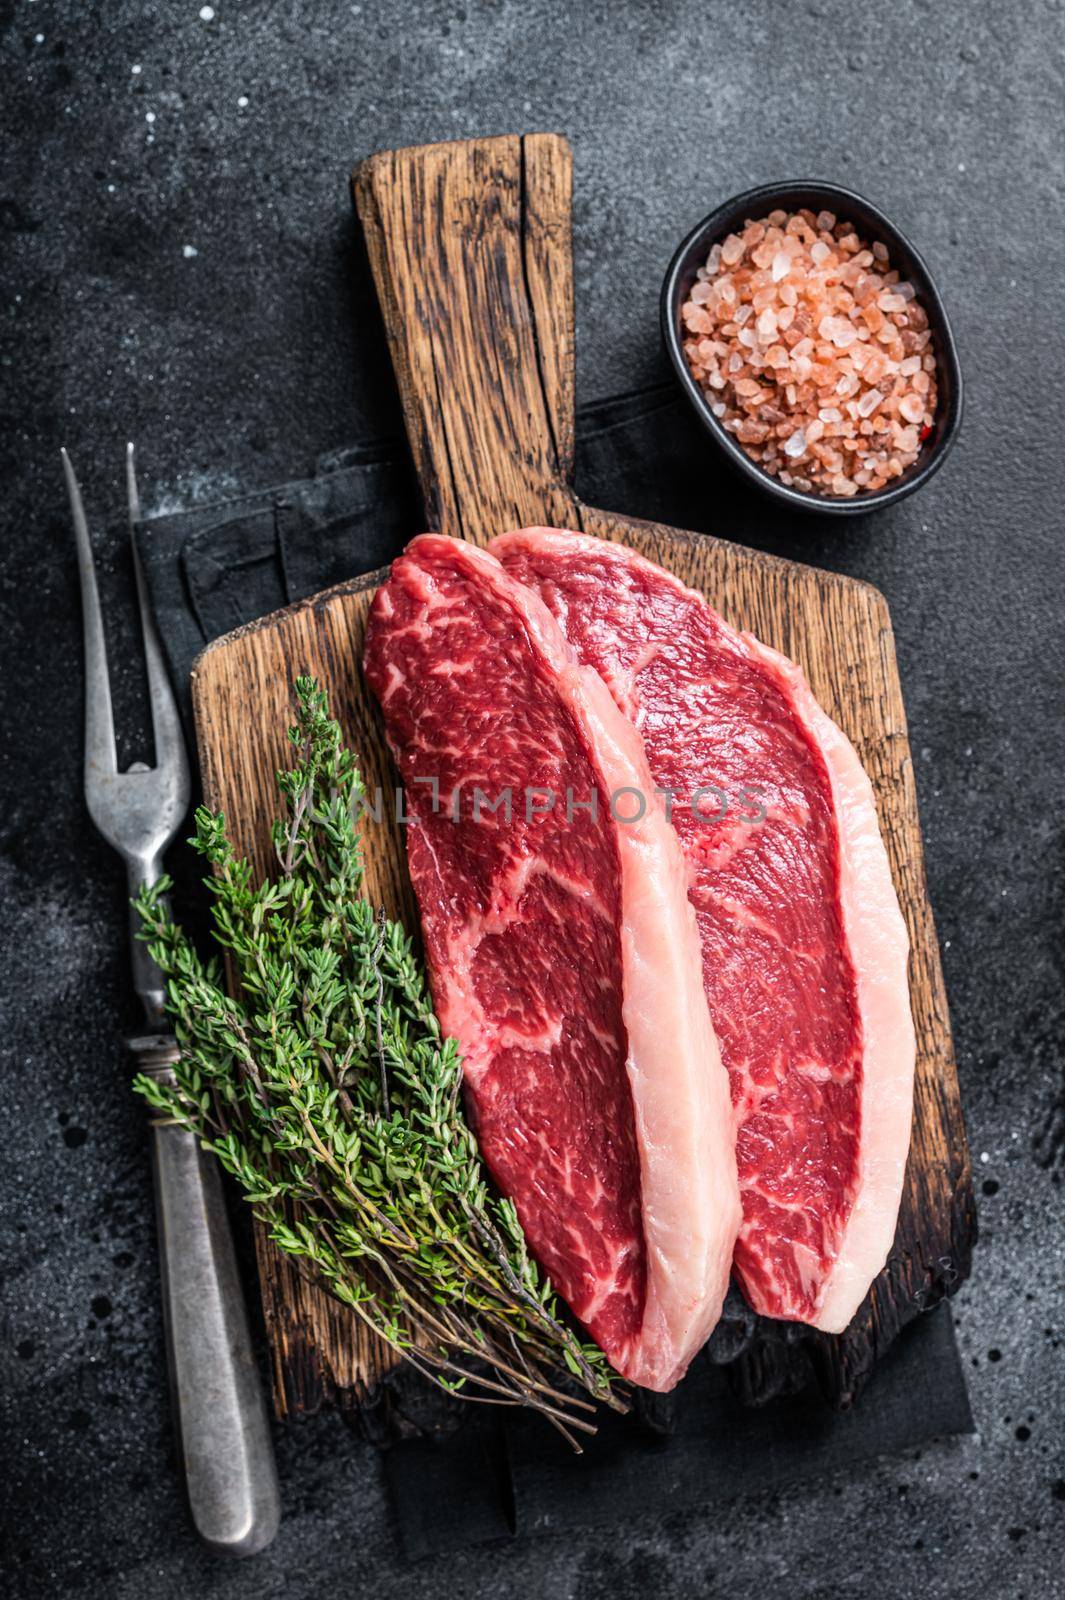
(811, 350)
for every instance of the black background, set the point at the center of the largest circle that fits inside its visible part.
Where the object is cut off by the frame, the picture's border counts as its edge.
(240, 363)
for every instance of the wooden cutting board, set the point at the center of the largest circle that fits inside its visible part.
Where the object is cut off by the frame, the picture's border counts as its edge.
(470, 245)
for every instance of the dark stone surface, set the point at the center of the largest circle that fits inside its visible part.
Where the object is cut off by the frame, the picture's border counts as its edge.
(241, 362)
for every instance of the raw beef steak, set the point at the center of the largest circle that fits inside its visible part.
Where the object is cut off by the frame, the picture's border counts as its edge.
(804, 946)
(563, 954)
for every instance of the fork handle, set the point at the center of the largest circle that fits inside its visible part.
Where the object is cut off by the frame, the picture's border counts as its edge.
(218, 1402)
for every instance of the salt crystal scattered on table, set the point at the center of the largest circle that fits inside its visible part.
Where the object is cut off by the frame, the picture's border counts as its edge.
(810, 346)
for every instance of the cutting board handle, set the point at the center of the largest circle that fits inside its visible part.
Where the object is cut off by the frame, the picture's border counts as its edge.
(470, 245)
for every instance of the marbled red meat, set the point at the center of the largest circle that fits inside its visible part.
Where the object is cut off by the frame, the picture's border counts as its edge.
(562, 952)
(804, 947)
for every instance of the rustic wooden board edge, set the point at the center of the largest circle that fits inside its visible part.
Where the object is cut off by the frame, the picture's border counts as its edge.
(247, 630)
(617, 527)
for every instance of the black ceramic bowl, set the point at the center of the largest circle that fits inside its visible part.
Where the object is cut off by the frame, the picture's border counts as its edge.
(872, 226)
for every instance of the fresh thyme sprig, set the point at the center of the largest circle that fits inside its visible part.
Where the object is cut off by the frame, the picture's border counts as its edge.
(326, 1089)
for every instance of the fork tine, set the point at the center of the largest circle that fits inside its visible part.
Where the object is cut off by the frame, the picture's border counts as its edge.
(166, 724)
(133, 499)
(100, 757)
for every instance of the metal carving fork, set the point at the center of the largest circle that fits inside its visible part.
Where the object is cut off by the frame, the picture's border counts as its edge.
(225, 1438)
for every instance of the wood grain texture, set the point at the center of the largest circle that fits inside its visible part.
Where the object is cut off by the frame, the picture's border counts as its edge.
(470, 248)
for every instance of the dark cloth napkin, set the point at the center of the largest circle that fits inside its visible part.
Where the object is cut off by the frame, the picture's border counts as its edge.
(213, 567)
(496, 1479)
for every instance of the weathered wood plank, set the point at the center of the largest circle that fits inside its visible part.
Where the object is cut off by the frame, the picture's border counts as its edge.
(470, 248)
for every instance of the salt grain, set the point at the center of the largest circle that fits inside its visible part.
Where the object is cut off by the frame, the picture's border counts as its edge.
(808, 345)
(767, 325)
